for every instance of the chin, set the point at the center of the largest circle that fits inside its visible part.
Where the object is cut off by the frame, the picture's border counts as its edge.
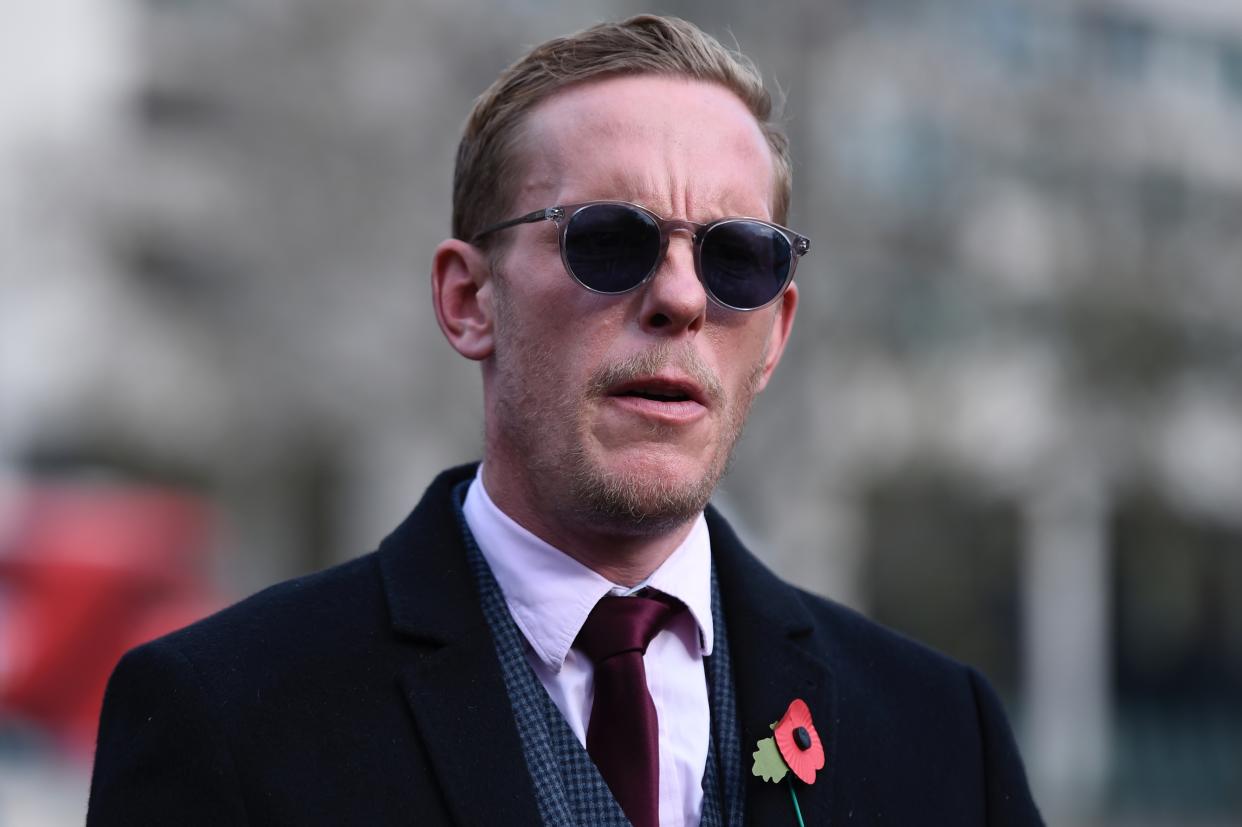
(650, 496)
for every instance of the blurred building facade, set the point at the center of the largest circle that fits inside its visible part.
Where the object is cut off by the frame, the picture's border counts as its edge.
(1033, 369)
(1009, 422)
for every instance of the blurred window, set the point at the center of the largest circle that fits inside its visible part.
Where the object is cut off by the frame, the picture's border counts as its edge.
(1009, 31)
(1177, 661)
(1119, 45)
(899, 156)
(175, 5)
(165, 107)
(942, 566)
(1231, 69)
(166, 264)
(884, 13)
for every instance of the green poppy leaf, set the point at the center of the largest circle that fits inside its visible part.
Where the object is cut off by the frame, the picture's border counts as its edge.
(768, 762)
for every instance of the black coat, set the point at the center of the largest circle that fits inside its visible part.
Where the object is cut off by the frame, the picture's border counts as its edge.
(370, 694)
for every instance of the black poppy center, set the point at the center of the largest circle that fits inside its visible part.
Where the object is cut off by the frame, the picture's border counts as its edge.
(802, 738)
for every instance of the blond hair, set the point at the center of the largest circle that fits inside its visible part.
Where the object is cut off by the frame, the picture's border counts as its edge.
(488, 167)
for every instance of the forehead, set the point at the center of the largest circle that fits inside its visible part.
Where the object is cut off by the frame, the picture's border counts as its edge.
(678, 146)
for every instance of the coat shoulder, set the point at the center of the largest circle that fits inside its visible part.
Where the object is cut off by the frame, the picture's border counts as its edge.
(318, 611)
(852, 636)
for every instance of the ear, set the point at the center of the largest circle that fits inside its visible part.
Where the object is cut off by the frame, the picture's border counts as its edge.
(782, 326)
(461, 290)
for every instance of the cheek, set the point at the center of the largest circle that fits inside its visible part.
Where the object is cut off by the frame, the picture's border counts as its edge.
(741, 348)
(583, 325)
(563, 340)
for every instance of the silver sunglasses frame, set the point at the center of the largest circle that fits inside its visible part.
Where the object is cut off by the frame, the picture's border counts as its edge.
(562, 215)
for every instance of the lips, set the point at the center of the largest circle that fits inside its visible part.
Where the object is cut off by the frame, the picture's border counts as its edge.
(667, 390)
(665, 401)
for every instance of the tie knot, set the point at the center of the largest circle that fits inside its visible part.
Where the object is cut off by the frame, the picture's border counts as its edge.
(623, 624)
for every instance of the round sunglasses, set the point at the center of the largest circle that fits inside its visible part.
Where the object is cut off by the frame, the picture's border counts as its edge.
(612, 247)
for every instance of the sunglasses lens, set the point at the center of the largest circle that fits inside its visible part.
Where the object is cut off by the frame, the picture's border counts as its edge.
(610, 248)
(745, 263)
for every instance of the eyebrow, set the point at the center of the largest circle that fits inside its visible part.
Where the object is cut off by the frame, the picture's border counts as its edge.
(629, 187)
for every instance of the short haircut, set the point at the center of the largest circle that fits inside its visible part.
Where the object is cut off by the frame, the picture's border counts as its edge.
(488, 164)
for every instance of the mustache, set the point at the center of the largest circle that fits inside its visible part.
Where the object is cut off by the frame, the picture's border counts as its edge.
(649, 362)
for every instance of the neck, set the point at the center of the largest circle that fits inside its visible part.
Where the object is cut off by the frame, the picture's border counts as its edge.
(625, 553)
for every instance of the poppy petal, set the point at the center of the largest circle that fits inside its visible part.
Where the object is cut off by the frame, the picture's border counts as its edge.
(799, 742)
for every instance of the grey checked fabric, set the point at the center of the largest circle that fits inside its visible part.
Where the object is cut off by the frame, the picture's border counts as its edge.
(590, 800)
(568, 788)
(710, 815)
(724, 760)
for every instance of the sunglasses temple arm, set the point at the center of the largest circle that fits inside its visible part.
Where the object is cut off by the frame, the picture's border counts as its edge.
(529, 218)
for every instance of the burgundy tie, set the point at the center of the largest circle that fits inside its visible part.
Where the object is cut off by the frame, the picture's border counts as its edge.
(623, 736)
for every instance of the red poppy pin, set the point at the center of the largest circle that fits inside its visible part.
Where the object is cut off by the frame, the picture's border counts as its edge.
(795, 746)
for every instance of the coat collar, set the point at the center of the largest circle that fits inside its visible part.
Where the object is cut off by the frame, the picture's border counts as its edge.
(452, 679)
(427, 582)
(457, 695)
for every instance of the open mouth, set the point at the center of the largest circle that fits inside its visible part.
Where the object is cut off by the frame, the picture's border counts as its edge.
(666, 391)
(657, 395)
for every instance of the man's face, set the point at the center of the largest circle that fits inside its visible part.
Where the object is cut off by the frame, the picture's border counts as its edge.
(620, 412)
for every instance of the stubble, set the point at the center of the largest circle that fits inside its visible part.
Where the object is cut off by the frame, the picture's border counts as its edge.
(549, 432)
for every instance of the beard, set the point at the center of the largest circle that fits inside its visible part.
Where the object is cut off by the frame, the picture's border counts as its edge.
(653, 503)
(547, 429)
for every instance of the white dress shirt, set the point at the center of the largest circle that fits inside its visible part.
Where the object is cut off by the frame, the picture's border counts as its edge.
(550, 595)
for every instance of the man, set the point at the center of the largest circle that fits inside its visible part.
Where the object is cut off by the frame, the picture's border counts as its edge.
(564, 635)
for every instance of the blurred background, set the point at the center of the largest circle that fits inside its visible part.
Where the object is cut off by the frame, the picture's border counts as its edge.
(1009, 422)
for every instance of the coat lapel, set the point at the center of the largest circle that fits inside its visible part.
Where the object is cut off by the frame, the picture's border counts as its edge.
(775, 659)
(452, 679)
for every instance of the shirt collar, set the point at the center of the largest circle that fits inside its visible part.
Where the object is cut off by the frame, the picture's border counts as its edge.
(550, 594)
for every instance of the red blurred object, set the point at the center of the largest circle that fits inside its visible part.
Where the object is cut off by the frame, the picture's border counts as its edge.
(86, 572)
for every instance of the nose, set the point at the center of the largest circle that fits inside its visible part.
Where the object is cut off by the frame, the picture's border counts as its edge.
(673, 300)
